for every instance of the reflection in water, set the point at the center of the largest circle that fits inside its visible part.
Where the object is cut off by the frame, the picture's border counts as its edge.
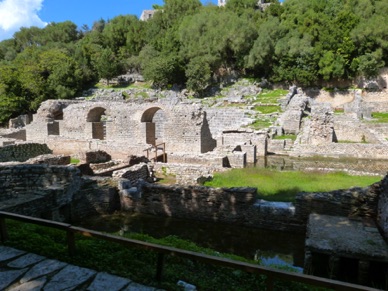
(272, 247)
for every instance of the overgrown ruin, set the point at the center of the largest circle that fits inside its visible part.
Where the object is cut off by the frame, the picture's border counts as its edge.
(131, 138)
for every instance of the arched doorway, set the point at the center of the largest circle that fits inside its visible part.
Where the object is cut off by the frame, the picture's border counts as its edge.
(154, 119)
(97, 117)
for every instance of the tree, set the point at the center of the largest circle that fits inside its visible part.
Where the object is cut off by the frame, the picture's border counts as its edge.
(107, 65)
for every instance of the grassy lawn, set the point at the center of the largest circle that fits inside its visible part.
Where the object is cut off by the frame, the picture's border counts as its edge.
(283, 186)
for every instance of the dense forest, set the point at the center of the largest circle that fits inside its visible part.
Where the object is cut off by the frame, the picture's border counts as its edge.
(299, 41)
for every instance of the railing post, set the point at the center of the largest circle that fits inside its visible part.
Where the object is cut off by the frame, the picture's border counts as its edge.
(70, 242)
(3, 230)
(270, 283)
(159, 267)
(164, 152)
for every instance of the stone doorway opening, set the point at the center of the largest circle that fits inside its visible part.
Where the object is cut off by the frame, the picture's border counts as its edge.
(154, 119)
(97, 117)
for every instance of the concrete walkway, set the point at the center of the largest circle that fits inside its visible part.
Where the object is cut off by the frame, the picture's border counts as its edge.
(21, 271)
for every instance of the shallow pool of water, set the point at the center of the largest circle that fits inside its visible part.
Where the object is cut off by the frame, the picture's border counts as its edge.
(272, 247)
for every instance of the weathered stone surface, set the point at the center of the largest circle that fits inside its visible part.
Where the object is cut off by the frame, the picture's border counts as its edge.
(25, 261)
(346, 237)
(69, 278)
(43, 268)
(34, 285)
(105, 281)
(50, 159)
(22, 152)
(97, 157)
(139, 287)
(8, 277)
(7, 253)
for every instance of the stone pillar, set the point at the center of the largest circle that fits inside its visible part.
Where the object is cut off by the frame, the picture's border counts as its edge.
(308, 262)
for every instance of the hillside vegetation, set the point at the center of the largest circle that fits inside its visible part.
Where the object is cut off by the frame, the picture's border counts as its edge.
(300, 41)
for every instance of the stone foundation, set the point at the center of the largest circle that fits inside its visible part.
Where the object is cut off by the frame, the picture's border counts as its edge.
(22, 152)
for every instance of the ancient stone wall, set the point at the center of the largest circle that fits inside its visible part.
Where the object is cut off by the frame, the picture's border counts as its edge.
(226, 119)
(200, 203)
(22, 152)
(342, 150)
(134, 173)
(38, 190)
(347, 128)
(187, 174)
(354, 202)
(95, 197)
(119, 127)
(382, 208)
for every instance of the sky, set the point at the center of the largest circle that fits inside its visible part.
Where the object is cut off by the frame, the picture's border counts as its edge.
(25, 13)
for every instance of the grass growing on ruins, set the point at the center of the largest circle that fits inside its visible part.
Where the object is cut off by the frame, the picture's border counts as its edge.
(379, 117)
(138, 265)
(271, 96)
(283, 185)
(286, 136)
(267, 109)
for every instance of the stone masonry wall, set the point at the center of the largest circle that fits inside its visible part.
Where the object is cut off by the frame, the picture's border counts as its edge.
(382, 208)
(354, 202)
(22, 152)
(38, 190)
(342, 150)
(200, 203)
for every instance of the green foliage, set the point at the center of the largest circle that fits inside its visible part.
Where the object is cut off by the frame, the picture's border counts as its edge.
(301, 42)
(380, 117)
(136, 264)
(287, 184)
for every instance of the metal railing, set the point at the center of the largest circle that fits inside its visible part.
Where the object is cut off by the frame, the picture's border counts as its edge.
(271, 274)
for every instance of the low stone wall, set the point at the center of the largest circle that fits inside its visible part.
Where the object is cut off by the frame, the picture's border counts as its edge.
(382, 208)
(187, 174)
(22, 152)
(133, 173)
(38, 190)
(354, 202)
(199, 203)
(342, 150)
(96, 196)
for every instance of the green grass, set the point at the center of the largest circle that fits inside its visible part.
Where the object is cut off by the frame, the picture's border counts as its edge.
(283, 186)
(271, 96)
(267, 109)
(286, 136)
(380, 117)
(139, 265)
(261, 123)
(74, 161)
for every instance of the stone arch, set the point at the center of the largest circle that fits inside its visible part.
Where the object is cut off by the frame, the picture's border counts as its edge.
(153, 119)
(97, 117)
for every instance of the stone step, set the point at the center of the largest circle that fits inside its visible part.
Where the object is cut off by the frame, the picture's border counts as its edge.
(21, 271)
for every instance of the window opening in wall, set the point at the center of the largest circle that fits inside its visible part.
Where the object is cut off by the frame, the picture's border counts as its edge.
(154, 120)
(98, 118)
